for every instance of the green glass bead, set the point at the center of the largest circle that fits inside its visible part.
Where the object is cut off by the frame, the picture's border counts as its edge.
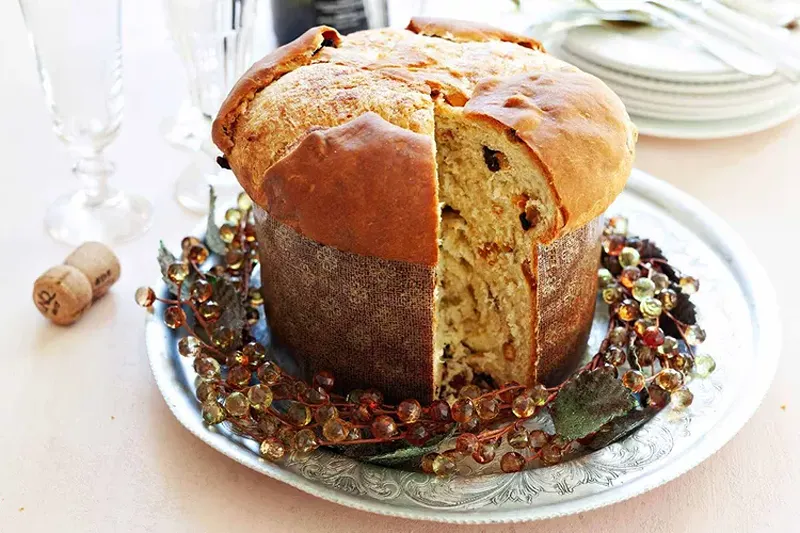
(650, 307)
(604, 278)
(244, 202)
(704, 365)
(619, 336)
(669, 346)
(612, 294)
(661, 280)
(629, 257)
(695, 335)
(689, 285)
(518, 438)
(233, 216)
(643, 288)
(444, 465)
(538, 393)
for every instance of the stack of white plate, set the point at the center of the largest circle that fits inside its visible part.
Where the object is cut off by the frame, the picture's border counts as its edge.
(674, 88)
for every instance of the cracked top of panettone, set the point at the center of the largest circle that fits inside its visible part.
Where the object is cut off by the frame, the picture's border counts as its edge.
(329, 119)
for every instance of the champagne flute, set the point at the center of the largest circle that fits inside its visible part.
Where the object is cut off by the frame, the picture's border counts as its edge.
(79, 60)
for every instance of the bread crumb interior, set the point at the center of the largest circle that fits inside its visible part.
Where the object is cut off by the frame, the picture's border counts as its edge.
(492, 210)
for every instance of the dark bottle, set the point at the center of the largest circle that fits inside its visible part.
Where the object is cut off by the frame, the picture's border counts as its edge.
(290, 18)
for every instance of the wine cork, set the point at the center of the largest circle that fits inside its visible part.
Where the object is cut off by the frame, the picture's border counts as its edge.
(62, 294)
(98, 263)
(65, 292)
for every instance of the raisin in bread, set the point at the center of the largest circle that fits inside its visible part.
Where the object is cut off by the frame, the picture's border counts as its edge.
(428, 202)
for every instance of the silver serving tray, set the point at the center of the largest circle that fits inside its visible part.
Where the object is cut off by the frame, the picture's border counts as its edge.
(737, 307)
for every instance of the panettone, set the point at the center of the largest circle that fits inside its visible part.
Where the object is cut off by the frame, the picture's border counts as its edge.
(428, 202)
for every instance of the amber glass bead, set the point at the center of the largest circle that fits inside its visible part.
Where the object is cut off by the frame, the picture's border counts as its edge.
(704, 365)
(409, 411)
(354, 433)
(440, 411)
(604, 278)
(695, 335)
(682, 398)
(254, 351)
(209, 310)
(678, 361)
(689, 285)
(487, 408)
(658, 397)
(189, 346)
(653, 337)
(252, 316)
(223, 338)
(467, 443)
(323, 413)
(227, 233)
(629, 257)
(206, 367)
(335, 430)
(237, 358)
(218, 270)
(628, 310)
(255, 297)
(207, 391)
(471, 424)
(523, 406)
(444, 465)
(417, 434)
(372, 398)
(645, 355)
(212, 413)
(234, 259)
(201, 291)
(362, 414)
(485, 453)
(551, 454)
(237, 404)
(269, 425)
(641, 325)
(305, 441)
(643, 288)
(617, 225)
(145, 296)
(669, 379)
(668, 299)
(187, 243)
(469, 391)
(650, 307)
(462, 410)
(661, 281)
(315, 396)
(286, 435)
(518, 438)
(618, 336)
(633, 380)
(260, 397)
(272, 449)
(612, 294)
(513, 388)
(612, 264)
(669, 346)
(323, 380)
(426, 464)
(538, 438)
(233, 215)
(269, 373)
(538, 393)
(615, 356)
(383, 427)
(512, 462)
(178, 272)
(198, 254)
(629, 276)
(614, 244)
(174, 317)
(298, 414)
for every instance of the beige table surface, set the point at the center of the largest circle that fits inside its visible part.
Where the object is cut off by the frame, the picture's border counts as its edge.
(88, 444)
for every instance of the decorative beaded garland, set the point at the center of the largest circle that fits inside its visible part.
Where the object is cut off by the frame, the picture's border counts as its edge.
(640, 366)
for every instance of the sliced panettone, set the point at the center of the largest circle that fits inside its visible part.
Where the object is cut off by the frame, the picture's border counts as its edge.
(428, 202)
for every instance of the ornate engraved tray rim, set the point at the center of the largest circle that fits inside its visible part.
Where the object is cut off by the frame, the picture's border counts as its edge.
(700, 241)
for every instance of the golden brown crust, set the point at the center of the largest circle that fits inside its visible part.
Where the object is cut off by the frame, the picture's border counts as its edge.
(577, 130)
(466, 31)
(284, 59)
(366, 187)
